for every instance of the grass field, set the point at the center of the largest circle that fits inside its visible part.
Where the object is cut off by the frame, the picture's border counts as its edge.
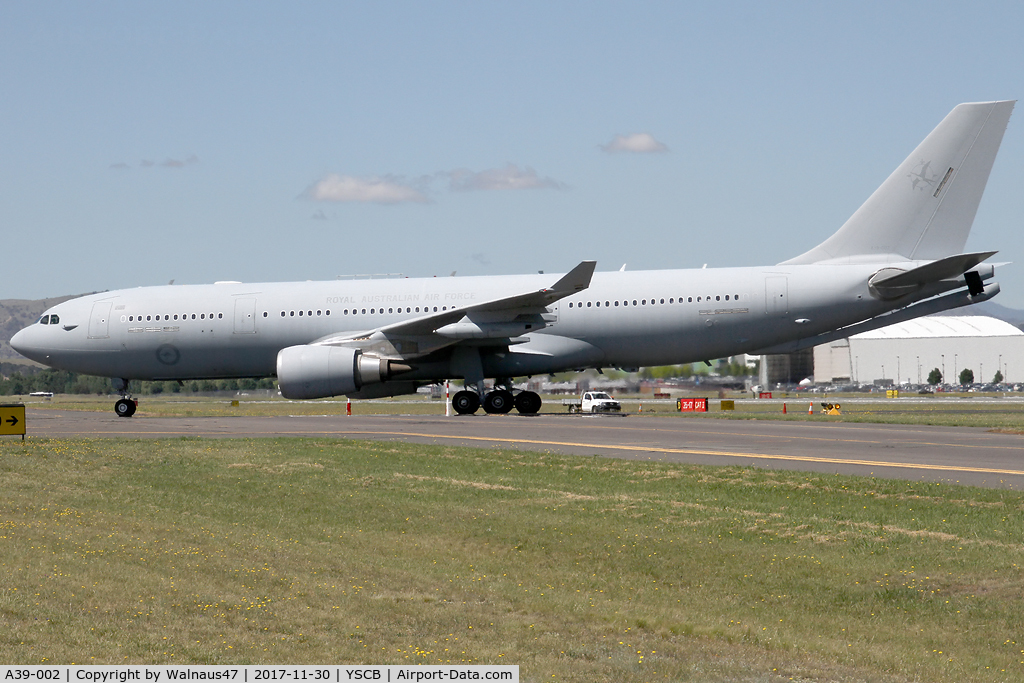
(966, 410)
(575, 568)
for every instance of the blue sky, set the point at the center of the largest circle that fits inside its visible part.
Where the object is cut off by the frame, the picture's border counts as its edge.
(198, 141)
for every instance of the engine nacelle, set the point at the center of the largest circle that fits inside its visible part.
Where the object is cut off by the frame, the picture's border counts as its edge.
(321, 371)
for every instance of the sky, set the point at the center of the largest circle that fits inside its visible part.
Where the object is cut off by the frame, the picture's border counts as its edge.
(142, 143)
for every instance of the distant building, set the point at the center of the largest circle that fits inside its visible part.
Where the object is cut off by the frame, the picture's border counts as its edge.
(786, 368)
(905, 353)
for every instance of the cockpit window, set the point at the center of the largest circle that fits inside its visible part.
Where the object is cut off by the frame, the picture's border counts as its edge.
(45, 320)
(54, 320)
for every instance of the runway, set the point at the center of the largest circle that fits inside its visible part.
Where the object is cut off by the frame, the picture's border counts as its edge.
(919, 453)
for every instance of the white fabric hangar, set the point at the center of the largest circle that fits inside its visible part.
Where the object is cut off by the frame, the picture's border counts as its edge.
(906, 352)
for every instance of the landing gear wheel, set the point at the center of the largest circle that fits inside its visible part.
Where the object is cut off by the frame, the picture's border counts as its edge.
(465, 402)
(499, 401)
(124, 408)
(528, 402)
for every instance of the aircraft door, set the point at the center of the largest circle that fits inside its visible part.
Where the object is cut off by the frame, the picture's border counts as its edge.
(245, 316)
(776, 295)
(99, 320)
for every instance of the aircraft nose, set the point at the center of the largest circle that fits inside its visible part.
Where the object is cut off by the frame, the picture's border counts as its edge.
(18, 341)
(22, 342)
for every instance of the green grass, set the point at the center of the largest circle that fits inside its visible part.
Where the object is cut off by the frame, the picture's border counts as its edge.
(950, 410)
(575, 568)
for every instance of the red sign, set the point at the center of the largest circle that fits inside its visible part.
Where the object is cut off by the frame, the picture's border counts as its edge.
(692, 405)
(764, 394)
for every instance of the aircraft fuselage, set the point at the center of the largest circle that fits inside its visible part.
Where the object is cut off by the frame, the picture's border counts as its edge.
(624, 319)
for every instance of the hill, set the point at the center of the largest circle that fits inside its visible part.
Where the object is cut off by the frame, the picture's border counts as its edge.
(16, 314)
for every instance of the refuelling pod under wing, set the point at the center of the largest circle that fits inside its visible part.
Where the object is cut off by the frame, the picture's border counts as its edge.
(308, 371)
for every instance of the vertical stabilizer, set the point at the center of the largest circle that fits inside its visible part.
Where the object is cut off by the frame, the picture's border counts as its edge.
(925, 209)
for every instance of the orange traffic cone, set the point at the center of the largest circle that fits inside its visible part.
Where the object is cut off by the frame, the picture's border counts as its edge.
(810, 409)
(783, 408)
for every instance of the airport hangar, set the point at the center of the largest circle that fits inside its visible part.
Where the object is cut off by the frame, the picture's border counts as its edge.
(906, 352)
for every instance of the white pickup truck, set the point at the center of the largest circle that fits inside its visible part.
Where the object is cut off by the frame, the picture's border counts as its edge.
(592, 402)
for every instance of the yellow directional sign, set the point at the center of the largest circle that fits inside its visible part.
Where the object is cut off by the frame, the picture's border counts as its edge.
(12, 419)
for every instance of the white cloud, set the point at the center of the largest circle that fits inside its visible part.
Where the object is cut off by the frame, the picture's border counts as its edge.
(511, 177)
(643, 143)
(346, 188)
(167, 163)
(177, 163)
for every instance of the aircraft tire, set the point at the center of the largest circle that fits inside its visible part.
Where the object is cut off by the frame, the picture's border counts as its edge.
(465, 402)
(528, 402)
(500, 401)
(124, 408)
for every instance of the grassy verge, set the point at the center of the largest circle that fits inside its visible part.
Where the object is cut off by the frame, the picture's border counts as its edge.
(946, 412)
(577, 569)
(957, 411)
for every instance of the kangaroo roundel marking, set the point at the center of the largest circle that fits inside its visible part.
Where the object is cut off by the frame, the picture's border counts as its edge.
(168, 354)
(922, 177)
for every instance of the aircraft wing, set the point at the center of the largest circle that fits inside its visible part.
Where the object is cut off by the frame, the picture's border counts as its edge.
(495, 319)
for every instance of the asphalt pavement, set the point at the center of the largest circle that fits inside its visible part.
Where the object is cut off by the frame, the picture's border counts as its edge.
(963, 455)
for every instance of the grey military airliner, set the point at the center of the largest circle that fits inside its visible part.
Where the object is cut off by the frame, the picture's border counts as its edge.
(898, 257)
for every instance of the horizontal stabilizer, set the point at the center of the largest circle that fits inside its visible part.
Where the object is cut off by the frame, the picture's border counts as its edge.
(890, 283)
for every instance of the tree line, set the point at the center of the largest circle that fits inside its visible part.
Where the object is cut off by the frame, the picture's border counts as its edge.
(64, 382)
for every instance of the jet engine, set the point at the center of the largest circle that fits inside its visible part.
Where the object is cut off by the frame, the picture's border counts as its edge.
(321, 371)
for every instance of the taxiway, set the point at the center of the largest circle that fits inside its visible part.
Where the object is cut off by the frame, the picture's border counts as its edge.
(948, 454)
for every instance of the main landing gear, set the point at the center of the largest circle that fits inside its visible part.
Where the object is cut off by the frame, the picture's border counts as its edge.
(499, 401)
(126, 406)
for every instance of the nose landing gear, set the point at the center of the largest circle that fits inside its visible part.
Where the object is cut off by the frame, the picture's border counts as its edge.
(126, 406)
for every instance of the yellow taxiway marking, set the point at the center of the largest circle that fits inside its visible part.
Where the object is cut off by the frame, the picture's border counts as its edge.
(826, 438)
(699, 451)
(613, 447)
